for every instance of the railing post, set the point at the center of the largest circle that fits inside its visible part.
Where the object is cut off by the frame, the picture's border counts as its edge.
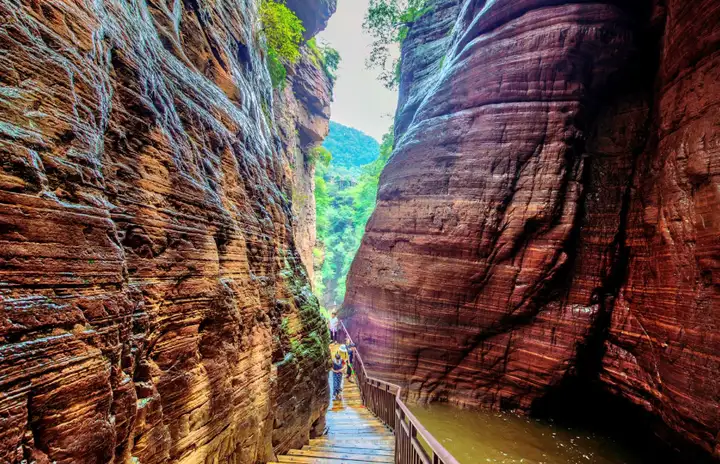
(388, 407)
(400, 451)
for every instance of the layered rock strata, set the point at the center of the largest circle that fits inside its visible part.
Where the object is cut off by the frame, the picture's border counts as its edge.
(302, 112)
(550, 213)
(153, 304)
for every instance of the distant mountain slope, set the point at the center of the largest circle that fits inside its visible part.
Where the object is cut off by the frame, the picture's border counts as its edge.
(350, 147)
(345, 191)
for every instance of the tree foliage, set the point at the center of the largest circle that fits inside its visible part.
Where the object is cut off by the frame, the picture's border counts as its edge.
(276, 68)
(388, 22)
(350, 147)
(320, 155)
(332, 59)
(345, 199)
(283, 33)
(326, 56)
(283, 30)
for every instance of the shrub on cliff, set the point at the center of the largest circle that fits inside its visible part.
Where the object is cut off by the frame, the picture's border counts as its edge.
(319, 154)
(388, 22)
(331, 59)
(283, 33)
(326, 56)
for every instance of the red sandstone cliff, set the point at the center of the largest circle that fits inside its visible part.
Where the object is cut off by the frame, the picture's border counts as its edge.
(302, 112)
(153, 304)
(551, 215)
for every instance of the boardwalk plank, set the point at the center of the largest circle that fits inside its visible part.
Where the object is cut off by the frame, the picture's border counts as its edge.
(374, 451)
(340, 455)
(353, 436)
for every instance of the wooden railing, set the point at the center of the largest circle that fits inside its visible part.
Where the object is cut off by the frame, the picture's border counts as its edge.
(384, 400)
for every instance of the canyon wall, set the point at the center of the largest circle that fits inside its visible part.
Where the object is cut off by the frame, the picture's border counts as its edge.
(550, 218)
(153, 303)
(302, 112)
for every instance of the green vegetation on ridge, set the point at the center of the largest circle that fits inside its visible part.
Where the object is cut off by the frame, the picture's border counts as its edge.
(345, 193)
(350, 147)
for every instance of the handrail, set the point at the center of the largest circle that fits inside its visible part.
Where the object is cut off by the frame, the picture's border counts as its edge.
(377, 395)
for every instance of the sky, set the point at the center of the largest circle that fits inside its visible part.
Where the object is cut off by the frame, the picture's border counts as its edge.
(361, 101)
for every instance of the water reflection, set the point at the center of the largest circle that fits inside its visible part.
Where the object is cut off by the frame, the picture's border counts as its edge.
(476, 437)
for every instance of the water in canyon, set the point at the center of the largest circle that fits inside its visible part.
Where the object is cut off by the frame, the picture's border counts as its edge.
(477, 436)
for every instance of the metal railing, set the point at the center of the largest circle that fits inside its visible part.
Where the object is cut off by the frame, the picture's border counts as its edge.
(384, 400)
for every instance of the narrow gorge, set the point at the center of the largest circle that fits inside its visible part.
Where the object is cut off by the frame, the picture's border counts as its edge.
(547, 231)
(545, 237)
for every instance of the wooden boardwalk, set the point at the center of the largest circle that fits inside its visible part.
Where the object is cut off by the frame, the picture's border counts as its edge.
(354, 435)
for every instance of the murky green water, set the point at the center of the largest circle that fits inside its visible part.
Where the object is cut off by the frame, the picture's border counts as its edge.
(476, 437)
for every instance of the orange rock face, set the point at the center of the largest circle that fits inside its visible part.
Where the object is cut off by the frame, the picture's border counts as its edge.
(302, 113)
(550, 215)
(153, 304)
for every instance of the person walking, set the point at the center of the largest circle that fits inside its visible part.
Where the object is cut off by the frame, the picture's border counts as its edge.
(351, 359)
(334, 326)
(337, 369)
(344, 355)
(352, 348)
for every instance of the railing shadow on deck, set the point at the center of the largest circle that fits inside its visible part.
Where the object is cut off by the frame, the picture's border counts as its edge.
(384, 400)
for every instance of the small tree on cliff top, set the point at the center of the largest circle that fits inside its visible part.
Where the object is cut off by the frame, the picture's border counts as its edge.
(284, 33)
(388, 22)
(326, 56)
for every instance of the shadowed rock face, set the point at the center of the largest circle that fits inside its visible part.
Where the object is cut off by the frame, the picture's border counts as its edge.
(549, 219)
(153, 305)
(313, 13)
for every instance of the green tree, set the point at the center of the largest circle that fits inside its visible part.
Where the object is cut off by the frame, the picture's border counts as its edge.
(326, 56)
(350, 147)
(388, 22)
(319, 155)
(283, 33)
(331, 59)
(365, 191)
(345, 199)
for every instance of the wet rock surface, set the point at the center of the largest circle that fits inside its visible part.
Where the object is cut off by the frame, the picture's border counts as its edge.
(548, 219)
(153, 303)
